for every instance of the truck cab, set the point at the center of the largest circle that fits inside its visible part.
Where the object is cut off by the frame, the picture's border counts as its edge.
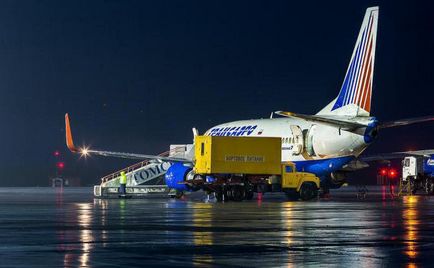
(297, 185)
(411, 167)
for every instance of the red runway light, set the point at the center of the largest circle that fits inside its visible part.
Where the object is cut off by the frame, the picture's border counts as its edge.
(60, 165)
(392, 173)
(383, 172)
(56, 153)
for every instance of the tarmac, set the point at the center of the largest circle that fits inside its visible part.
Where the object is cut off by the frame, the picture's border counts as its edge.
(46, 227)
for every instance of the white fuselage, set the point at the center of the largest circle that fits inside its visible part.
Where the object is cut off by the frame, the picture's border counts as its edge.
(301, 140)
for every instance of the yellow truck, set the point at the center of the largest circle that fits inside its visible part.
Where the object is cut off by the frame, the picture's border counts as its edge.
(236, 167)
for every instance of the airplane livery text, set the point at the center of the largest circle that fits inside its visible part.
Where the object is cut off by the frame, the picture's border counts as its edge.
(232, 131)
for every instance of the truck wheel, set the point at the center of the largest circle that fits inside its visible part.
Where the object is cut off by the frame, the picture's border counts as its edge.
(308, 191)
(228, 193)
(221, 193)
(238, 193)
(292, 195)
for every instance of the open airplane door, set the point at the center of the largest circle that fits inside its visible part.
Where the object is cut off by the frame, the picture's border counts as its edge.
(297, 135)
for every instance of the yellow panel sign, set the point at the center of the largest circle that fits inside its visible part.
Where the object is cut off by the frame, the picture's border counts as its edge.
(237, 155)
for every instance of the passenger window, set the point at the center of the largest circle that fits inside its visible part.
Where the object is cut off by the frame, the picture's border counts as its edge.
(202, 148)
(288, 169)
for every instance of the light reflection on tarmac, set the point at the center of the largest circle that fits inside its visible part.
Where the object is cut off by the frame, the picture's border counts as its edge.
(47, 227)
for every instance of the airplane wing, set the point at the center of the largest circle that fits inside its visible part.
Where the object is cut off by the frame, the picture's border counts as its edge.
(137, 156)
(344, 124)
(408, 121)
(85, 151)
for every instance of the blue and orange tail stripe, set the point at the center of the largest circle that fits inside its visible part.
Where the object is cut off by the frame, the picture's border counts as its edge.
(357, 86)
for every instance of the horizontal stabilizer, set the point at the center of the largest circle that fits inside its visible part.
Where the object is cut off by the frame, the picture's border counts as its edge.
(360, 162)
(408, 121)
(343, 122)
(354, 165)
(395, 155)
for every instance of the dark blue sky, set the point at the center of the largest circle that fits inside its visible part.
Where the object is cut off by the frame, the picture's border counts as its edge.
(137, 75)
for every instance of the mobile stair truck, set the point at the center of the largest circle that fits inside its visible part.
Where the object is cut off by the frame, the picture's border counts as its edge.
(234, 168)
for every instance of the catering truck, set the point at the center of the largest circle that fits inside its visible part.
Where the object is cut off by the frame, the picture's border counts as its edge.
(418, 174)
(234, 168)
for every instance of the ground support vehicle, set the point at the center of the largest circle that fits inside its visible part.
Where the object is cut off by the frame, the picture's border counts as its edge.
(234, 168)
(417, 175)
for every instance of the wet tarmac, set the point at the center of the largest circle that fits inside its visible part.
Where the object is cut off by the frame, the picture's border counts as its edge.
(45, 227)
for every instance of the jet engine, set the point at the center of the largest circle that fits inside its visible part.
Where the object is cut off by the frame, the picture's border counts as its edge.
(176, 175)
(326, 140)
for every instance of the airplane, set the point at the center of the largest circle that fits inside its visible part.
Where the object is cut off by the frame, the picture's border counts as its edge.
(328, 144)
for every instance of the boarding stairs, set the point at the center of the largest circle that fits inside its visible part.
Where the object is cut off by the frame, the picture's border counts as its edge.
(143, 177)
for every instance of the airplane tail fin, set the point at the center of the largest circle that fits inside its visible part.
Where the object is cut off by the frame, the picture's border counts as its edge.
(354, 98)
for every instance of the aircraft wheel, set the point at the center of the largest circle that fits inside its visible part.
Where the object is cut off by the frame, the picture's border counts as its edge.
(308, 191)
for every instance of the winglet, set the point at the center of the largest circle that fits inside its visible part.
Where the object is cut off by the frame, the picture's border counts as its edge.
(69, 141)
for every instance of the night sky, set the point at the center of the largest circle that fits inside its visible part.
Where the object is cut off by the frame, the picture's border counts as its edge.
(136, 76)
